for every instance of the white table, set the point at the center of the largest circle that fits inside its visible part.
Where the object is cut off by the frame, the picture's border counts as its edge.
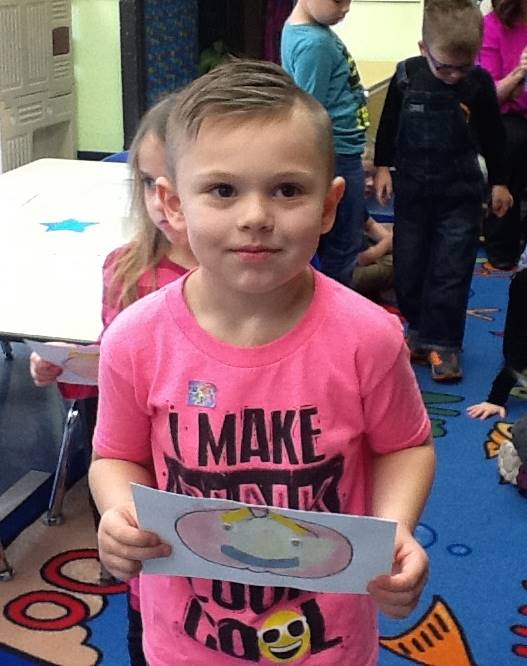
(51, 282)
(51, 275)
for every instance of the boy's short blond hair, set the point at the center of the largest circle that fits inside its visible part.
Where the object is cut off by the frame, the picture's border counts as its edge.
(243, 90)
(453, 26)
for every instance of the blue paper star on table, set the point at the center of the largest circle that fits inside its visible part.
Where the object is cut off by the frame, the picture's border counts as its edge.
(67, 225)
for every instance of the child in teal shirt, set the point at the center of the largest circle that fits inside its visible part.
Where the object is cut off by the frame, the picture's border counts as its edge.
(318, 61)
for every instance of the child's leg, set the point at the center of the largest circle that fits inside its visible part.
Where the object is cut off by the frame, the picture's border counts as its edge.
(135, 627)
(370, 280)
(502, 235)
(447, 283)
(338, 249)
(515, 336)
(411, 249)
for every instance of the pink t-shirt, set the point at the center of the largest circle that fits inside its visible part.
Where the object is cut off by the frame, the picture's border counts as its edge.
(293, 423)
(165, 272)
(500, 54)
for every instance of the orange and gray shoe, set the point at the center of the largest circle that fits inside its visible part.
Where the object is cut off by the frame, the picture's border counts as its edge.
(445, 366)
(417, 354)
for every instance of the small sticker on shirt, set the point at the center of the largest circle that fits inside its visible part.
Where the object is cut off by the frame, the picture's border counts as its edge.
(201, 394)
(416, 108)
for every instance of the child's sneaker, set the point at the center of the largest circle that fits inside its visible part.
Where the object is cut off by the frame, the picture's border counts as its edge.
(417, 353)
(445, 366)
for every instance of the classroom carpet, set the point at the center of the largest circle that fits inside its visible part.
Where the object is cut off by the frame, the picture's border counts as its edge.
(473, 610)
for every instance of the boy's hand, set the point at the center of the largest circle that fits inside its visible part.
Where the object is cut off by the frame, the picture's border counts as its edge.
(397, 595)
(42, 372)
(501, 200)
(485, 409)
(123, 545)
(383, 185)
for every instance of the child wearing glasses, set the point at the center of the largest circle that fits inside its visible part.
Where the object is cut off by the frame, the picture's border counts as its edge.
(440, 112)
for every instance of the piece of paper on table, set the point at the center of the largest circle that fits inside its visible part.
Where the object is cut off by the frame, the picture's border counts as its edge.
(80, 362)
(255, 545)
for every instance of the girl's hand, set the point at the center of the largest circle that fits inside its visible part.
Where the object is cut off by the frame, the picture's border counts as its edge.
(485, 409)
(123, 545)
(383, 185)
(501, 200)
(397, 595)
(42, 372)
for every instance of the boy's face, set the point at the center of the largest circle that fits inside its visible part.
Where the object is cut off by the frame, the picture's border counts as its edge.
(444, 66)
(327, 12)
(254, 196)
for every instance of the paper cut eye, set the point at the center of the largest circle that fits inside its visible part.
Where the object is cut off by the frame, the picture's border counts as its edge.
(227, 526)
(296, 542)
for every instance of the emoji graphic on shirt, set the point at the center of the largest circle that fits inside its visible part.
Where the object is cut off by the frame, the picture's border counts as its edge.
(284, 637)
(265, 541)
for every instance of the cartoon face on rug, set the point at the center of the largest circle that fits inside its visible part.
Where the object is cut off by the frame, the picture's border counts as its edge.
(264, 541)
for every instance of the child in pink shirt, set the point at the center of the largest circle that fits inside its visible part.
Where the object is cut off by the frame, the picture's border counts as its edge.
(255, 378)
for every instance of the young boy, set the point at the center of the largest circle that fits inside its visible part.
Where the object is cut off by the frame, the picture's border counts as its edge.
(318, 62)
(439, 112)
(208, 388)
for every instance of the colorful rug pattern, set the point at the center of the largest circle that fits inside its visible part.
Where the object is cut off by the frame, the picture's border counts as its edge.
(472, 613)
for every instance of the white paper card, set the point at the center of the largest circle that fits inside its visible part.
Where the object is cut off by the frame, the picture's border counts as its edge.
(255, 545)
(80, 362)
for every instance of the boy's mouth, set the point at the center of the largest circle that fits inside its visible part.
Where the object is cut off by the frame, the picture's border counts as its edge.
(255, 252)
(256, 249)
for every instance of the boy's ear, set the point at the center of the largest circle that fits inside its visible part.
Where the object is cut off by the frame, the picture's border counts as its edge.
(421, 46)
(333, 196)
(171, 203)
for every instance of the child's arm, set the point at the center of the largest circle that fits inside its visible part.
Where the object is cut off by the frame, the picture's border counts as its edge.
(383, 185)
(495, 403)
(122, 545)
(482, 410)
(401, 484)
(388, 125)
(490, 130)
(385, 142)
(383, 239)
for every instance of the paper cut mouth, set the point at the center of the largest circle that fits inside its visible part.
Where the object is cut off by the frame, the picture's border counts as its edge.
(261, 562)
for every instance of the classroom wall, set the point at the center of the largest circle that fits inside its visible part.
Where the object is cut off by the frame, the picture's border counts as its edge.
(97, 66)
(386, 31)
(382, 30)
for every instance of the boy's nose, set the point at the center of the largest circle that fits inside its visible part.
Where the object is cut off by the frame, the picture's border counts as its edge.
(455, 76)
(256, 214)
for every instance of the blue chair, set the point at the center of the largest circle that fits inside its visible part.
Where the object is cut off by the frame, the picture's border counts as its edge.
(117, 157)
